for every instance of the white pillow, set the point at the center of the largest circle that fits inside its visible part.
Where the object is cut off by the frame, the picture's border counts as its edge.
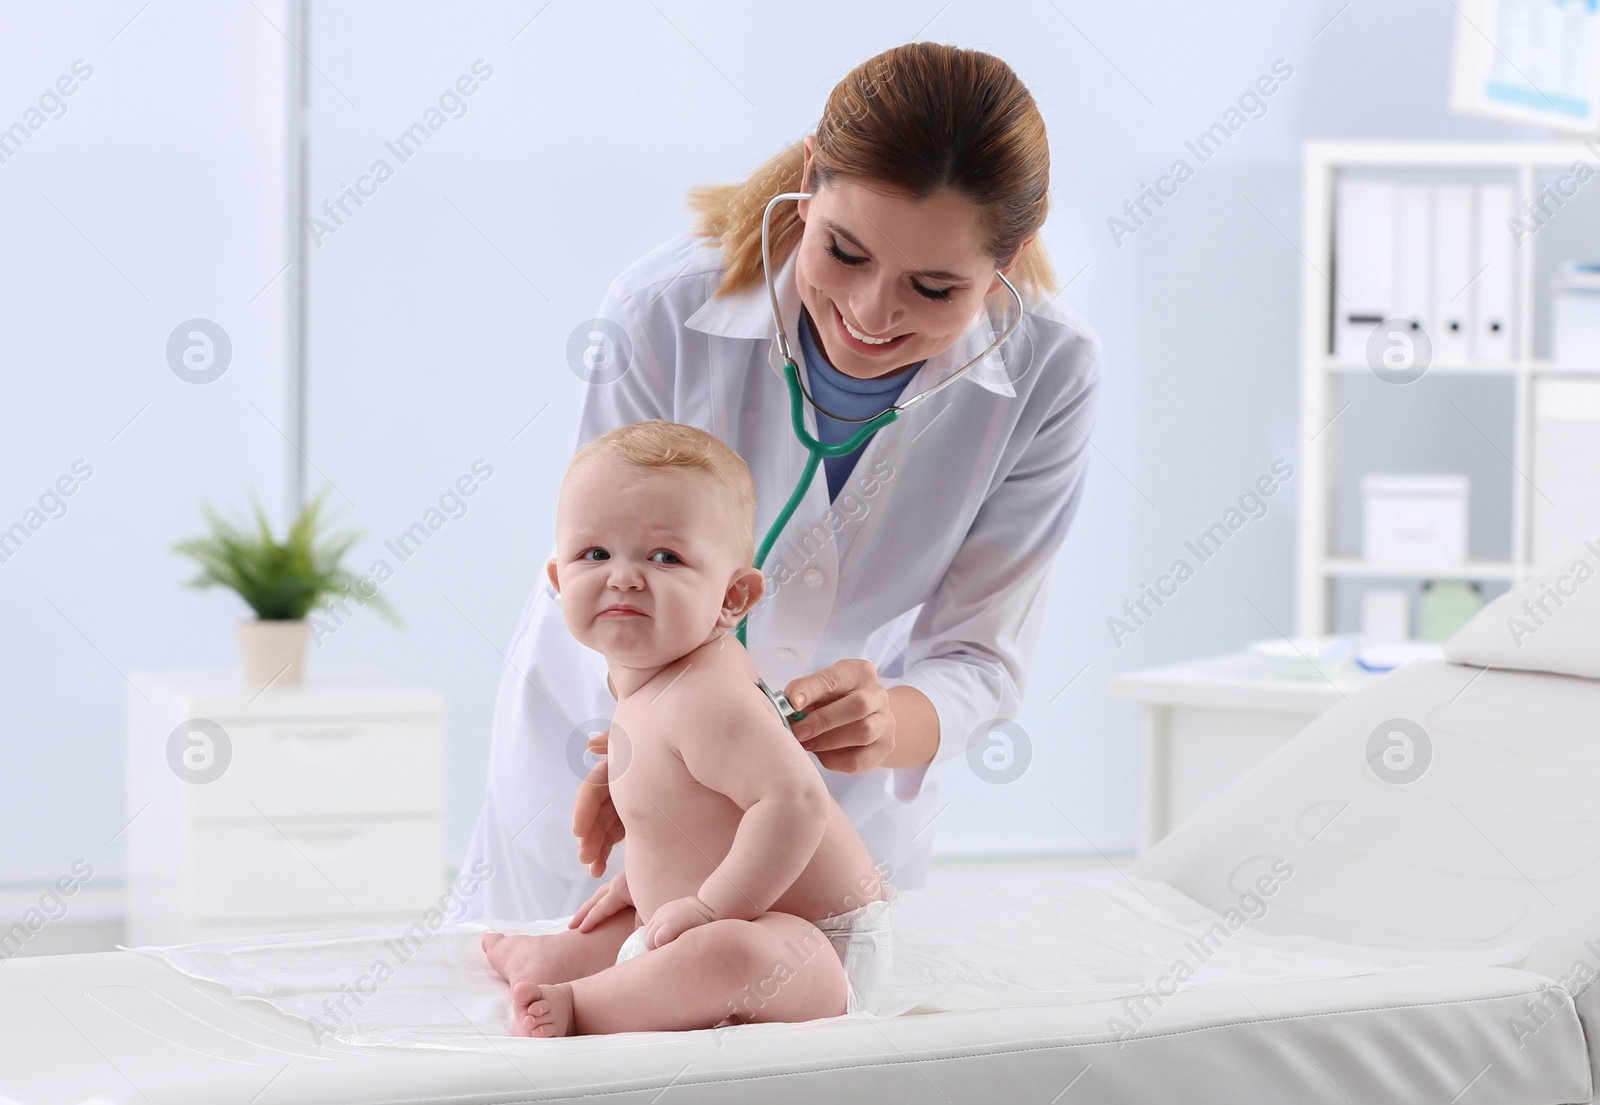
(1550, 622)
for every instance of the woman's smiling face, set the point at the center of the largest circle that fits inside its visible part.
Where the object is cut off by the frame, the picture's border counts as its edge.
(889, 267)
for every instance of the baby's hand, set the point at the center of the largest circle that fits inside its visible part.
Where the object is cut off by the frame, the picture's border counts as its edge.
(674, 918)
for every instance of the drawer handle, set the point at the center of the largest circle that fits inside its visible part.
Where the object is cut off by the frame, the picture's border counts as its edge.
(325, 844)
(322, 834)
(318, 746)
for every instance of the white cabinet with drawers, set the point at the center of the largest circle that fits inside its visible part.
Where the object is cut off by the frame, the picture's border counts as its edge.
(294, 808)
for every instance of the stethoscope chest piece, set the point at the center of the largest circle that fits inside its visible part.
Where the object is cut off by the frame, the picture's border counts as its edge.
(781, 703)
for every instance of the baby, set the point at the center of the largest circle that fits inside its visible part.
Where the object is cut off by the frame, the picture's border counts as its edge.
(746, 893)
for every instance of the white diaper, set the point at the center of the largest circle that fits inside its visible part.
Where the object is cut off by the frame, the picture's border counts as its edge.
(862, 938)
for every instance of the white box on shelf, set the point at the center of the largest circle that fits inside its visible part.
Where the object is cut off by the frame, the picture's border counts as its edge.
(1414, 519)
(1385, 614)
(1566, 459)
(1575, 313)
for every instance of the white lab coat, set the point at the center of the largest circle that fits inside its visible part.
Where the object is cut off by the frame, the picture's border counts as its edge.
(933, 563)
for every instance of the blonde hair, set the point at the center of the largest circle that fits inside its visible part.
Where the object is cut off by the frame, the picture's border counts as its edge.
(914, 119)
(662, 445)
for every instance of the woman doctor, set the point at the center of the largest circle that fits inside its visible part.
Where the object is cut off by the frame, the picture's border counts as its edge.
(905, 595)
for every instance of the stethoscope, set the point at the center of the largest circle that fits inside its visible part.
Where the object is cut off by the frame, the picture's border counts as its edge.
(816, 449)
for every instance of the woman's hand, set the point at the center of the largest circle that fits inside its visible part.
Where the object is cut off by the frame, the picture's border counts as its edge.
(848, 722)
(607, 900)
(674, 919)
(594, 819)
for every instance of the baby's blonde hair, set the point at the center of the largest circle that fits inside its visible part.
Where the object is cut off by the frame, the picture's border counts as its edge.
(659, 444)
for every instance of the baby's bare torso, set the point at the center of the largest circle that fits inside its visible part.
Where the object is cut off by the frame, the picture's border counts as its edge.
(677, 829)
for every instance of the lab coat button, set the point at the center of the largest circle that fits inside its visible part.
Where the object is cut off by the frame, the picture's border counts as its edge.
(813, 577)
(787, 653)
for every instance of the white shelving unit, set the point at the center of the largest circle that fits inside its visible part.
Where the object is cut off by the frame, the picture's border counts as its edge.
(1318, 566)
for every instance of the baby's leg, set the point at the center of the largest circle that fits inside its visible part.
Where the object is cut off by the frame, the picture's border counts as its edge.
(559, 956)
(777, 967)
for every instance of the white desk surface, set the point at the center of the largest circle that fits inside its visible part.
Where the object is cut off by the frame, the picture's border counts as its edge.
(1240, 680)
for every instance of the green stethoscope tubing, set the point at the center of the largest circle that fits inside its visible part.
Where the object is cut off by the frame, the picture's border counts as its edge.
(815, 449)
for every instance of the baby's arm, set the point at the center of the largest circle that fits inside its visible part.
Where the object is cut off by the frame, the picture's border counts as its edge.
(747, 755)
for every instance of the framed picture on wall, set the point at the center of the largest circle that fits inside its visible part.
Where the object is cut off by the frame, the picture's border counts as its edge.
(1528, 61)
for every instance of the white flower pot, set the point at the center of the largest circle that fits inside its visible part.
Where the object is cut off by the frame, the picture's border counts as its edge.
(274, 652)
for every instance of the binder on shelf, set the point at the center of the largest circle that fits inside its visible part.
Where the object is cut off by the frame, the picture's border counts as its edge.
(1363, 264)
(1455, 294)
(1413, 278)
(1494, 271)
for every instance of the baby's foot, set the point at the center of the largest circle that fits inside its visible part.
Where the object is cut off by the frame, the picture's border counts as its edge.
(536, 958)
(541, 1010)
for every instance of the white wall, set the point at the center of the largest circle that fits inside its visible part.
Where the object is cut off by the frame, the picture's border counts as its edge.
(153, 194)
(442, 306)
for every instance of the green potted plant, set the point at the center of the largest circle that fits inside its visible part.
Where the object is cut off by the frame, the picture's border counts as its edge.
(281, 581)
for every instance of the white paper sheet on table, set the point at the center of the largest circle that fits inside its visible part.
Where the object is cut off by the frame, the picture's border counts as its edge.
(968, 947)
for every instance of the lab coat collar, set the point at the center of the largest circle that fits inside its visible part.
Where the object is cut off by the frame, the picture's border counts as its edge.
(749, 315)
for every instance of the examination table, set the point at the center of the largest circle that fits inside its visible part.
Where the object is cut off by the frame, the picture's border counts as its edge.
(1484, 831)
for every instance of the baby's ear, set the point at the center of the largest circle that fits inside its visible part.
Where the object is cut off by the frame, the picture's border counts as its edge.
(550, 570)
(743, 593)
